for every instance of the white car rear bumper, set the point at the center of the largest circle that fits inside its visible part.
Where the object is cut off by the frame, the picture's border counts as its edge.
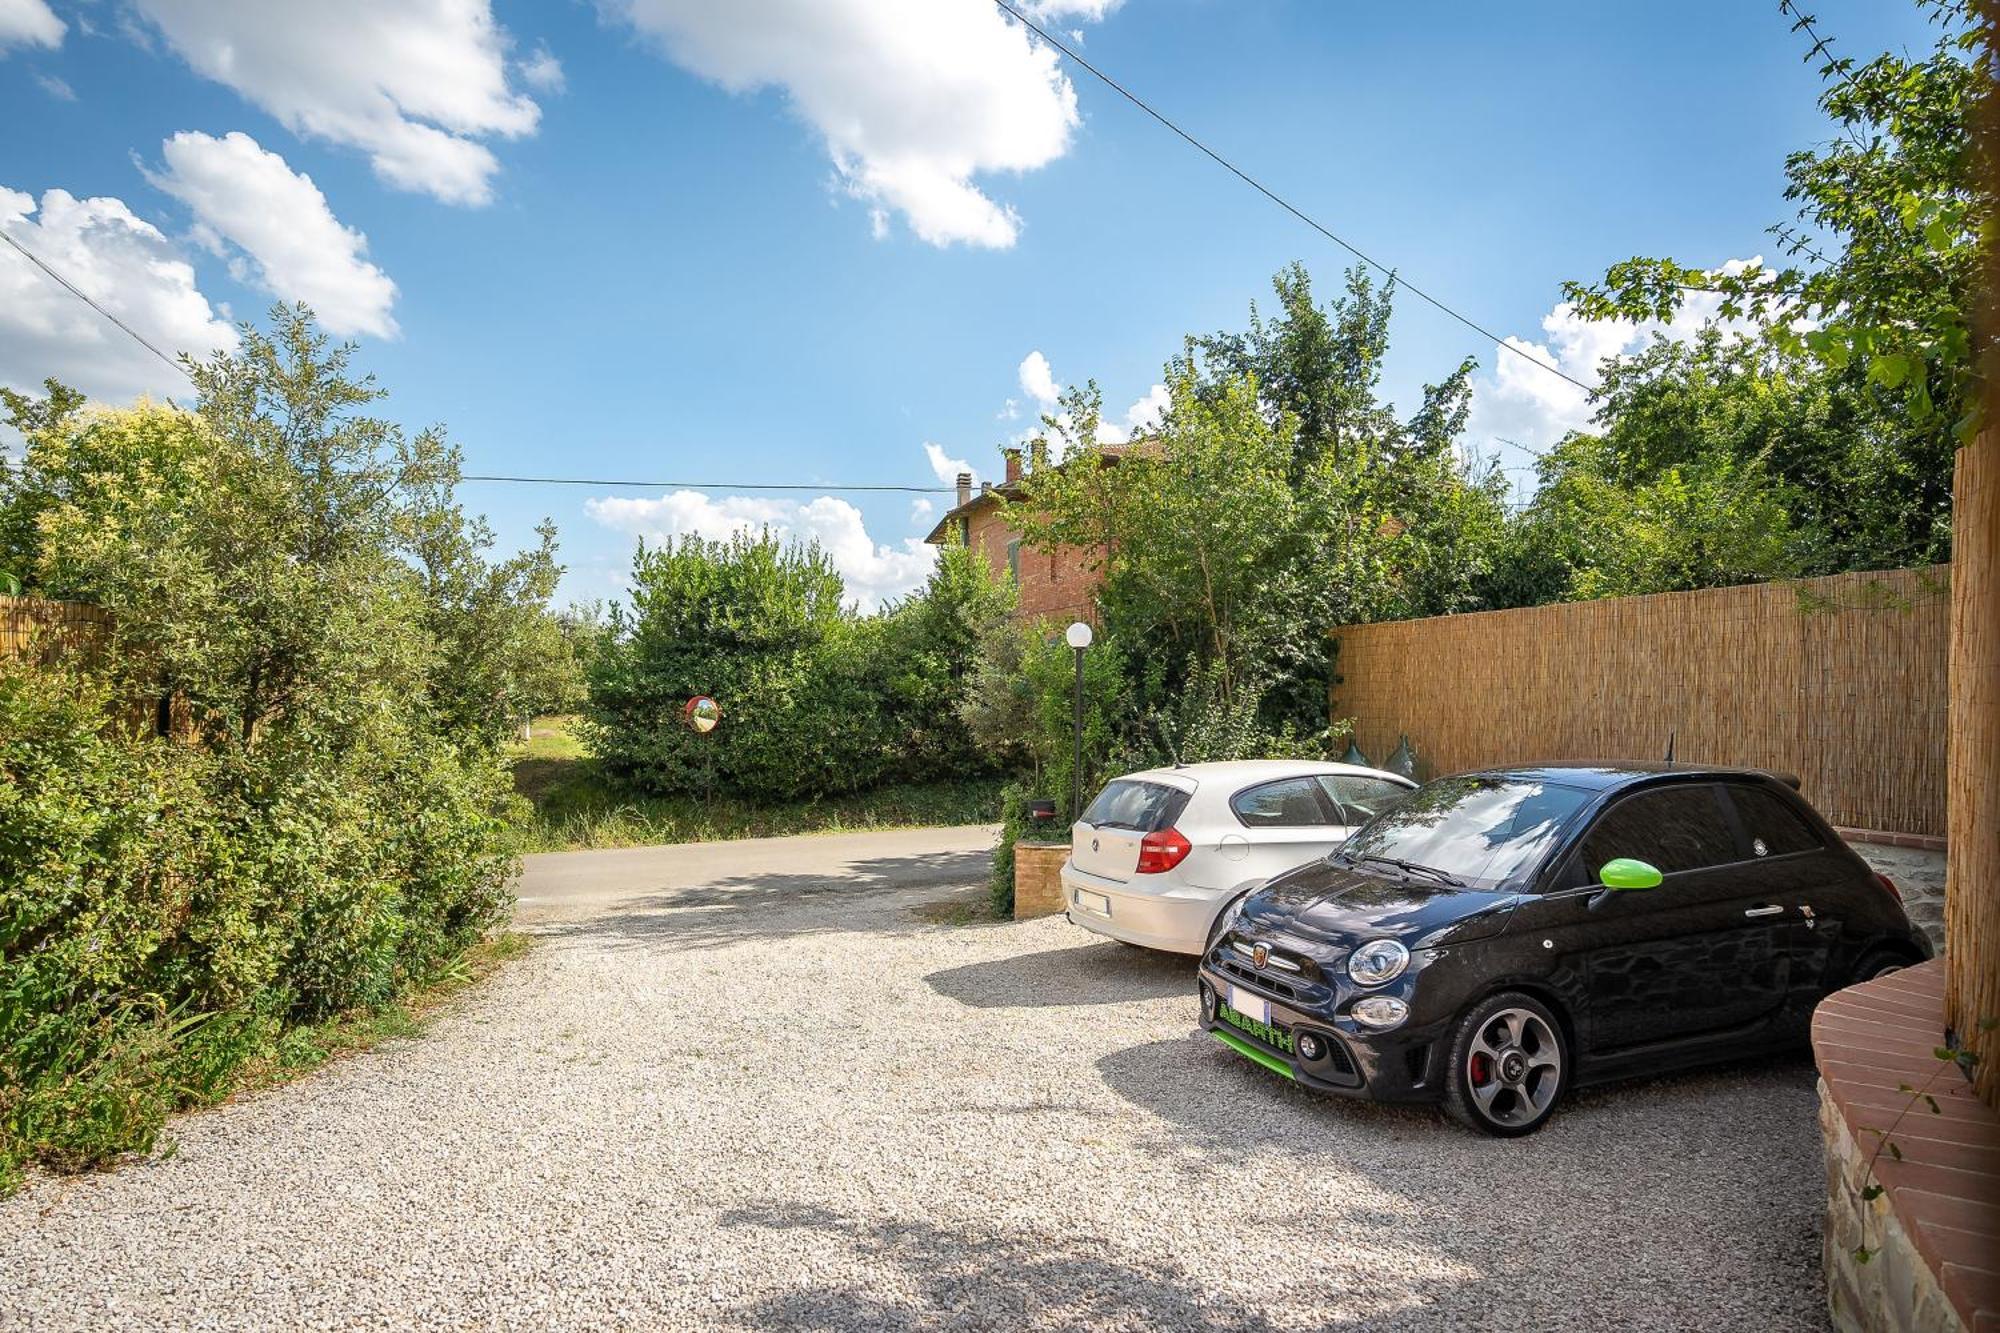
(1174, 917)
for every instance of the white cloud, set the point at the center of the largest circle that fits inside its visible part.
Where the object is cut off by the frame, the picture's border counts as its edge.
(1141, 417)
(246, 201)
(56, 87)
(874, 573)
(1086, 11)
(1515, 403)
(29, 23)
(415, 84)
(945, 466)
(921, 509)
(543, 71)
(913, 99)
(122, 262)
(1038, 381)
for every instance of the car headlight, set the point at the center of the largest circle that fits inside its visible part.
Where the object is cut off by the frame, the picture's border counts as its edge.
(1376, 962)
(1380, 1011)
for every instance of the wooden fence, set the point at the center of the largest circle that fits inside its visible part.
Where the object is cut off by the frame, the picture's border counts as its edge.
(32, 627)
(1840, 680)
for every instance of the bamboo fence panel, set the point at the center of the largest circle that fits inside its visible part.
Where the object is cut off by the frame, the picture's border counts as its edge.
(34, 628)
(1972, 875)
(1841, 680)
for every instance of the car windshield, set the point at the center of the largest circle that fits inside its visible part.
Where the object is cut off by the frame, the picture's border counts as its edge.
(1481, 831)
(1142, 806)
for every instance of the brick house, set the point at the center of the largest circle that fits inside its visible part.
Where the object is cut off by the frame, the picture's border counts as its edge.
(1058, 585)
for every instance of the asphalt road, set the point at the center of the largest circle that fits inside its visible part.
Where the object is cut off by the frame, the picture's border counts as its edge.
(760, 1085)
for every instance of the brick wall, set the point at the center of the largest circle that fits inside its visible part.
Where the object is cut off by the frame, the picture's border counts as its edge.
(1055, 585)
(1038, 889)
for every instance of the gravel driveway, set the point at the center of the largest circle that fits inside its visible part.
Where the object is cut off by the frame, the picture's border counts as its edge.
(747, 1085)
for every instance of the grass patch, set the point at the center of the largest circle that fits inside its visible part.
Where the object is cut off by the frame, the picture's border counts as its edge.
(575, 807)
(301, 1050)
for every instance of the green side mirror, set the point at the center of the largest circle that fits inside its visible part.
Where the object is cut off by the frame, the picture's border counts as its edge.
(1626, 873)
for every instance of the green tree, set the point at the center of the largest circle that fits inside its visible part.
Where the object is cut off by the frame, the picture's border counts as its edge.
(1885, 247)
(816, 700)
(319, 825)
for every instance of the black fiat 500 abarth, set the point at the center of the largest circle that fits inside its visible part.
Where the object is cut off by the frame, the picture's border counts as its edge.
(1499, 937)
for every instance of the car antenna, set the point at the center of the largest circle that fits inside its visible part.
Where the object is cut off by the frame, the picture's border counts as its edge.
(1173, 750)
(1670, 745)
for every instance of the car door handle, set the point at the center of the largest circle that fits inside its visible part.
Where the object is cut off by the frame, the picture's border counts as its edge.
(1769, 909)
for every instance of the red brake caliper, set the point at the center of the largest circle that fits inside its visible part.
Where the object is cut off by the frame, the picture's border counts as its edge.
(1482, 1069)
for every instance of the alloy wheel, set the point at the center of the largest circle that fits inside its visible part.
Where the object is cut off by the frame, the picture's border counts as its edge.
(1513, 1067)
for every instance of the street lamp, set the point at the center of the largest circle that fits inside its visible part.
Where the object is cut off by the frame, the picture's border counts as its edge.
(1078, 636)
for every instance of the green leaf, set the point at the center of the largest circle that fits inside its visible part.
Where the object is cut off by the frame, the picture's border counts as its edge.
(1894, 1151)
(1862, 1254)
(1870, 1193)
(1945, 1053)
(1890, 369)
(1934, 1105)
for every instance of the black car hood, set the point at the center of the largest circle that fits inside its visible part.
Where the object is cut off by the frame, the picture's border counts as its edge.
(1320, 903)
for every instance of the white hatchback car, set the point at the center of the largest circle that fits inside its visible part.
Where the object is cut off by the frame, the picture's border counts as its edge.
(1159, 854)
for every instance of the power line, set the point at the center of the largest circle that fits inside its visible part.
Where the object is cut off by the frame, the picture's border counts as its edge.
(84, 297)
(712, 485)
(1279, 199)
(154, 348)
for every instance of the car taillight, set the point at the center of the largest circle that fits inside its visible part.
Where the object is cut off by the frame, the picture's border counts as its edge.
(1161, 851)
(1890, 885)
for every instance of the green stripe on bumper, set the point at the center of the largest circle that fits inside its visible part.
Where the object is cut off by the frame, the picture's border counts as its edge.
(1249, 1052)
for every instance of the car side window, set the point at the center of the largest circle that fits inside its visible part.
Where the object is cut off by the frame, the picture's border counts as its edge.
(1775, 828)
(1360, 799)
(1287, 803)
(1672, 829)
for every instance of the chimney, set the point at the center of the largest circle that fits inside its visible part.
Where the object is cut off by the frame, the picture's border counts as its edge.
(1013, 457)
(986, 488)
(964, 487)
(1038, 454)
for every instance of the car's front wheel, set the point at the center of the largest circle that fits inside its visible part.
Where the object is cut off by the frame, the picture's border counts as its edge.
(1508, 1065)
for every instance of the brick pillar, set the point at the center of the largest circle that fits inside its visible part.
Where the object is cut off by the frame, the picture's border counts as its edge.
(1038, 887)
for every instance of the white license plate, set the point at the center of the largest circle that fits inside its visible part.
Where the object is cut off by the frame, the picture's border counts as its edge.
(1093, 902)
(1253, 1007)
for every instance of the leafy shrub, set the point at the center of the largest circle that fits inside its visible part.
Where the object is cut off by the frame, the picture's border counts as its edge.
(294, 592)
(817, 701)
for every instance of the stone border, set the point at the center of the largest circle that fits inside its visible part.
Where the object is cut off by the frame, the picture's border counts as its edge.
(1936, 1224)
(1924, 842)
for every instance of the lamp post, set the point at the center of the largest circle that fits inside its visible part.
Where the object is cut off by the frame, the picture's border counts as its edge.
(1078, 637)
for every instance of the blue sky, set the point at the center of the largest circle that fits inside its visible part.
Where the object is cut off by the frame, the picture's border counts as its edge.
(793, 242)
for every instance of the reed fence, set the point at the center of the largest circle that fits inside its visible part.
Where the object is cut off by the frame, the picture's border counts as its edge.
(32, 627)
(1841, 680)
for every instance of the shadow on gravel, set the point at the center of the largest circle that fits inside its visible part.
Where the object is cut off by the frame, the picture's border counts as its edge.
(1626, 1187)
(951, 1277)
(775, 906)
(1222, 1104)
(1086, 974)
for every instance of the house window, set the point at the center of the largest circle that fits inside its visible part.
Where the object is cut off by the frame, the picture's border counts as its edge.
(1014, 559)
(965, 532)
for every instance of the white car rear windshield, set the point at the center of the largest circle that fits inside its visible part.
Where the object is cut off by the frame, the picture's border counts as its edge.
(1145, 807)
